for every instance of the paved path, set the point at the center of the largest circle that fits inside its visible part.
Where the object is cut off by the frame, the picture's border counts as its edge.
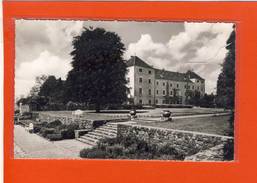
(200, 115)
(183, 117)
(27, 145)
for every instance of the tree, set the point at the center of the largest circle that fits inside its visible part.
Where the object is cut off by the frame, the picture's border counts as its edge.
(98, 74)
(194, 98)
(226, 79)
(39, 81)
(52, 89)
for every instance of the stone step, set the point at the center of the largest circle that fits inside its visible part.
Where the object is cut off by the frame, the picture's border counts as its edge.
(89, 138)
(106, 129)
(86, 141)
(102, 135)
(106, 132)
(110, 127)
(97, 137)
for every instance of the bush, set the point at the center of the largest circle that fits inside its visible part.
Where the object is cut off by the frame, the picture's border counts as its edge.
(38, 126)
(54, 124)
(93, 153)
(228, 150)
(54, 137)
(131, 148)
(67, 131)
(45, 131)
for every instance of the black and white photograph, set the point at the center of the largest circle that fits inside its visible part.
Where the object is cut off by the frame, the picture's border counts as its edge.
(125, 90)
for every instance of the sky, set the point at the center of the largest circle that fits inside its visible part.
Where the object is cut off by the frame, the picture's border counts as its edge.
(44, 46)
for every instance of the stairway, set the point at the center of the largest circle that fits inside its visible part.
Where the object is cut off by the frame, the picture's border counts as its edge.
(108, 130)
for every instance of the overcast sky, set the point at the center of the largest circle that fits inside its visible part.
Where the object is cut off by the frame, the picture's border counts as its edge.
(43, 47)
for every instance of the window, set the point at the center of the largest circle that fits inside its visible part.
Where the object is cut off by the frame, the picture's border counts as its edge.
(140, 80)
(157, 83)
(170, 84)
(140, 91)
(157, 92)
(128, 80)
(149, 102)
(193, 87)
(171, 92)
(163, 92)
(163, 84)
(198, 88)
(149, 92)
(177, 85)
(149, 72)
(163, 101)
(185, 86)
(149, 81)
(140, 101)
(140, 70)
(156, 101)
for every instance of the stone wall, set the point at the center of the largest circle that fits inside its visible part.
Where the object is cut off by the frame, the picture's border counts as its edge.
(215, 153)
(83, 123)
(186, 142)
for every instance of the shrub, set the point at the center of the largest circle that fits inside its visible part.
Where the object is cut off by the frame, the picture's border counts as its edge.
(93, 153)
(67, 131)
(38, 126)
(45, 131)
(228, 150)
(54, 137)
(54, 124)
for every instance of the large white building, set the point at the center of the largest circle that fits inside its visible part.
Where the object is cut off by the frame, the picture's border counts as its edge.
(151, 86)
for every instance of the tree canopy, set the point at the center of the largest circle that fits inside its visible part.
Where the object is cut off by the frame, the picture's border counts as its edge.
(98, 73)
(226, 79)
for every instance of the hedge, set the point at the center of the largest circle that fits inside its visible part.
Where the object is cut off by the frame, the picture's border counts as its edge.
(54, 137)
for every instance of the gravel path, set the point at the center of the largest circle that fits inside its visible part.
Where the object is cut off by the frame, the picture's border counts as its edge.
(27, 145)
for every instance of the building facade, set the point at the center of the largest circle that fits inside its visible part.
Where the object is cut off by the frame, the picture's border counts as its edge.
(151, 86)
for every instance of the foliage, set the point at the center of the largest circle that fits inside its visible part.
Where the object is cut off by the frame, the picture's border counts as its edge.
(68, 131)
(226, 79)
(194, 97)
(98, 73)
(54, 124)
(131, 148)
(39, 81)
(45, 131)
(228, 150)
(52, 89)
(54, 137)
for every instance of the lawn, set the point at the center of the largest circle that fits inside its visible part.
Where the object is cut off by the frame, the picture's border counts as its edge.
(214, 125)
(112, 114)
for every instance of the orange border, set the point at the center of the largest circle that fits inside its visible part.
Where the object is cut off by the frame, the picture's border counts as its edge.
(243, 170)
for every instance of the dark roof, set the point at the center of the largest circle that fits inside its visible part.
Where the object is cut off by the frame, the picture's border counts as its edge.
(193, 75)
(169, 75)
(163, 74)
(134, 60)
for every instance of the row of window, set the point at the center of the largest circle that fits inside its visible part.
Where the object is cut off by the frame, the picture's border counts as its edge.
(186, 86)
(157, 92)
(141, 70)
(156, 102)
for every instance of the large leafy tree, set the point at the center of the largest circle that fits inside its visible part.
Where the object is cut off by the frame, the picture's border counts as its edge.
(98, 74)
(52, 89)
(226, 79)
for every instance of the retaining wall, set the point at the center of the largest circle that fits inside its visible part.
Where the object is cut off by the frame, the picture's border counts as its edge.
(186, 142)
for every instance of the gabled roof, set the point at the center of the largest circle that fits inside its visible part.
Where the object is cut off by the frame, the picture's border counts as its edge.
(169, 75)
(136, 61)
(193, 75)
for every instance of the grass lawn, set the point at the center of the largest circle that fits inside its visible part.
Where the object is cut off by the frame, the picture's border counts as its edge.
(214, 125)
(110, 114)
